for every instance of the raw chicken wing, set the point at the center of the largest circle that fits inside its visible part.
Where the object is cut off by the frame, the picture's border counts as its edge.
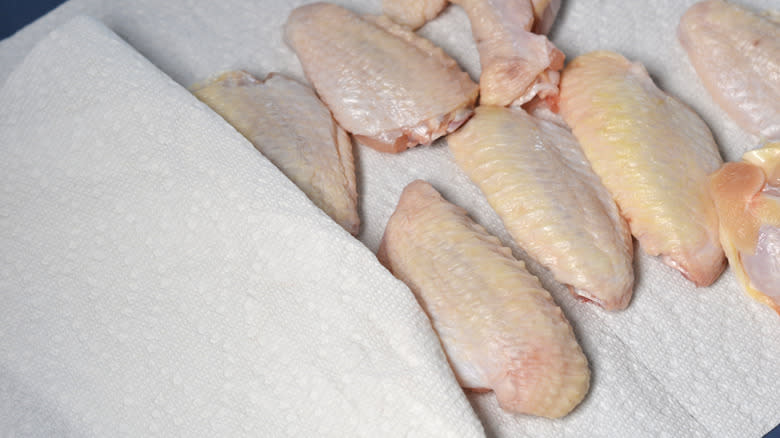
(389, 87)
(747, 196)
(287, 123)
(653, 154)
(537, 179)
(736, 53)
(516, 63)
(499, 328)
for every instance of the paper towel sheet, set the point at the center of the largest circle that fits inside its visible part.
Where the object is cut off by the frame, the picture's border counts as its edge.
(160, 277)
(680, 361)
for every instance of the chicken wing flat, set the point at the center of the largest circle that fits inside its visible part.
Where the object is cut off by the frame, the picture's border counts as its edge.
(389, 87)
(288, 124)
(736, 53)
(536, 177)
(499, 328)
(653, 153)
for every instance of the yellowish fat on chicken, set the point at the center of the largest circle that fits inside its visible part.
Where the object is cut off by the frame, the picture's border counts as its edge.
(747, 196)
(653, 153)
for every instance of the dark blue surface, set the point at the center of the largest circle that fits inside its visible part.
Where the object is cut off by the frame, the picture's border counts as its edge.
(15, 14)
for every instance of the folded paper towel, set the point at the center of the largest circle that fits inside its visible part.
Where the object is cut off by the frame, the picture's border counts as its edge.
(679, 361)
(161, 277)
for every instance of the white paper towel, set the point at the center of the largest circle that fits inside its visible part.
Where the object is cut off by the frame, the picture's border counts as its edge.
(160, 277)
(680, 361)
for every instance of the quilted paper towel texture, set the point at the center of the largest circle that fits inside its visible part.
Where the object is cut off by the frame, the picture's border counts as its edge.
(160, 277)
(679, 361)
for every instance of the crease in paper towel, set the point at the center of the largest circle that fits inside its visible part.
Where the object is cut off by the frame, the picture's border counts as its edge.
(711, 350)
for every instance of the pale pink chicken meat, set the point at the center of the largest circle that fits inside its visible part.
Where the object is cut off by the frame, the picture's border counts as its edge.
(536, 177)
(747, 196)
(517, 64)
(288, 124)
(389, 87)
(653, 153)
(736, 53)
(499, 328)
(413, 13)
